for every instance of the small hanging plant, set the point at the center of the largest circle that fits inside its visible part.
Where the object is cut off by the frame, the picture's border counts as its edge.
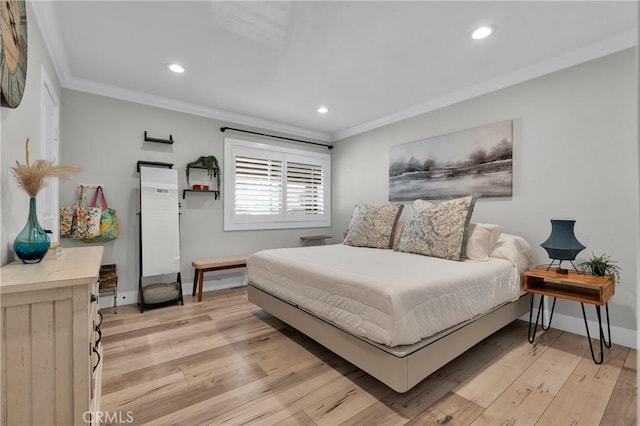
(210, 163)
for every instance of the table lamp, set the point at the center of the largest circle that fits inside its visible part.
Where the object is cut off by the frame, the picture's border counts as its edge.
(562, 244)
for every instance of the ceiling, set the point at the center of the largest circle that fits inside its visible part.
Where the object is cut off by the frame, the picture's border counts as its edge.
(272, 64)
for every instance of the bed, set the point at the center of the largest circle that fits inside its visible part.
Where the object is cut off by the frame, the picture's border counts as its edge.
(398, 316)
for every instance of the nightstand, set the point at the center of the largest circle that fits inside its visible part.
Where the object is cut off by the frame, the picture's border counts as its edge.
(583, 288)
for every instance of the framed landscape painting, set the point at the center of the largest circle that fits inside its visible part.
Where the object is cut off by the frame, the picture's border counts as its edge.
(474, 162)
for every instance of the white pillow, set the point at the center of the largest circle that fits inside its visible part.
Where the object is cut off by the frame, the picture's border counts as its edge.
(515, 249)
(482, 239)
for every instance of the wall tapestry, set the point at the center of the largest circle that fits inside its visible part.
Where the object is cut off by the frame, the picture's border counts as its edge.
(469, 162)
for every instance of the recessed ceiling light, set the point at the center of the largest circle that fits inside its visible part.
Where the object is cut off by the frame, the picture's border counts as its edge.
(177, 68)
(483, 32)
(323, 110)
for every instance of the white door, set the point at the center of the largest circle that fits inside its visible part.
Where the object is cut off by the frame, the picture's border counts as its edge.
(49, 150)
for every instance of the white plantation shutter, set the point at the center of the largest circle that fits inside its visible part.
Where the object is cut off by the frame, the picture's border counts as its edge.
(258, 186)
(268, 187)
(305, 189)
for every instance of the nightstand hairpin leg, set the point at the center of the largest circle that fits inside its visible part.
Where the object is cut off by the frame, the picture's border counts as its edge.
(532, 336)
(602, 339)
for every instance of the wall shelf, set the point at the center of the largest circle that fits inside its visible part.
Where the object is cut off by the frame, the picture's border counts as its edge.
(216, 193)
(158, 140)
(215, 169)
(152, 164)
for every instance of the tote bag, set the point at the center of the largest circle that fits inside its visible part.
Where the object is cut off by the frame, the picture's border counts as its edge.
(109, 224)
(80, 221)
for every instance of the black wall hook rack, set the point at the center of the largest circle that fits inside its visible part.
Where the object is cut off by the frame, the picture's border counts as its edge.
(148, 139)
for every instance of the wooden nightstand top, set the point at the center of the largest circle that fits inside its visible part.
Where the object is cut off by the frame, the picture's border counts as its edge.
(585, 288)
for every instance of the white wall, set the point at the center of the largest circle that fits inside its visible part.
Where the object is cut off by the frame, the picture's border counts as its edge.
(18, 125)
(105, 136)
(575, 155)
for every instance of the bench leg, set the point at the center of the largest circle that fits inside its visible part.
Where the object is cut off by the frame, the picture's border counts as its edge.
(195, 282)
(200, 279)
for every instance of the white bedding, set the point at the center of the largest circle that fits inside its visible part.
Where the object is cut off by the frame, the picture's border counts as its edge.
(390, 297)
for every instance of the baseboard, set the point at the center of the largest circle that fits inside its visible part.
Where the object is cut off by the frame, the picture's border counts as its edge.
(619, 335)
(131, 297)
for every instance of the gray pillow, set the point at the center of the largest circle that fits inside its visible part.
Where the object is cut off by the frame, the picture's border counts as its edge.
(373, 226)
(438, 230)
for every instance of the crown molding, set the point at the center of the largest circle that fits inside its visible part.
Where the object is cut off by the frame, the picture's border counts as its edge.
(82, 85)
(48, 24)
(599, 49)
(50, 31)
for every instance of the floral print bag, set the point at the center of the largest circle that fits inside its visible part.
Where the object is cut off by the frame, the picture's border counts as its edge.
(80, 221)
(109, 224)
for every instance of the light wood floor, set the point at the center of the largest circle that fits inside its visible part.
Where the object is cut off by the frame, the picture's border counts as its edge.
(225, 361)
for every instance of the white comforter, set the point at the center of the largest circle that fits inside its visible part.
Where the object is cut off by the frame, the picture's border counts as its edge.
(390, 297)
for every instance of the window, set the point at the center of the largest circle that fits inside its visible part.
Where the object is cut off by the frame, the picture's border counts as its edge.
(271, 187)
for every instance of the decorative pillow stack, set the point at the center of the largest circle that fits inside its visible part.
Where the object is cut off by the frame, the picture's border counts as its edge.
(438, 230)
(482, 239)
(373, 226)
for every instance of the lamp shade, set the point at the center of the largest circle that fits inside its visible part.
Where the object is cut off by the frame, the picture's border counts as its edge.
(562, 244)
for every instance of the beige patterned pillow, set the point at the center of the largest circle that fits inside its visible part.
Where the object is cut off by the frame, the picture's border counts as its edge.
(438, 230)
(373, 226)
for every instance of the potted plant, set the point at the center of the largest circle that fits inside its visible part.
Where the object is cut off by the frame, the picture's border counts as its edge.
(205, 162)
(602, 266)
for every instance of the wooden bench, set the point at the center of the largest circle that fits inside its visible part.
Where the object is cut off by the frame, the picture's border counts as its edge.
(214, 264)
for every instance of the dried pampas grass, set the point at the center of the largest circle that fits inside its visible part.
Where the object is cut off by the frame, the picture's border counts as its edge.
(31, 177)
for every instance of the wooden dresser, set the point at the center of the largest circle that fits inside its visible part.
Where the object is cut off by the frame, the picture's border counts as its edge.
(51, 351)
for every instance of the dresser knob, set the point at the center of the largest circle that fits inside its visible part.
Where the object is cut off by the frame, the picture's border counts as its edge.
(94, 298)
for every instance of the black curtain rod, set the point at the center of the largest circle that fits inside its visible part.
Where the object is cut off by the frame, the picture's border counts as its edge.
(223, 129)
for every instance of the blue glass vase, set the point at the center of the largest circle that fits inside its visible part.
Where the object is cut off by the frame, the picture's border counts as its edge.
(32, 243)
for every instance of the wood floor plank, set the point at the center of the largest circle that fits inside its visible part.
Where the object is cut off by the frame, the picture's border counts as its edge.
(112, 384)
(242, 396)
(457, 371)
(122, 400)
(298, 419)
(172, 326)
(451, 409)
(133, 361)
(113, 348)
(528, 397)
(340, 406)
(585, 395)
(195, 364)
(377, 413)
(484, 387)
(622, 408)
(632, 360)
(273, 407)
(153, 406)
(111, 323)
(263, 350)
(225, 360)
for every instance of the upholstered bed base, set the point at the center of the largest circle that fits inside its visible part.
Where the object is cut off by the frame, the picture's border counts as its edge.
(399, 369)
